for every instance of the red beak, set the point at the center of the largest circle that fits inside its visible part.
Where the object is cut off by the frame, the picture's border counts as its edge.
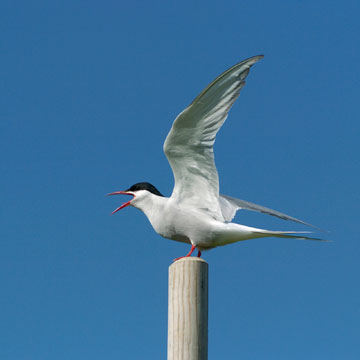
(123, 205)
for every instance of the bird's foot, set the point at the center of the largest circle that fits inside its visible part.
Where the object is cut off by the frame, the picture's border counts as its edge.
(189, 254)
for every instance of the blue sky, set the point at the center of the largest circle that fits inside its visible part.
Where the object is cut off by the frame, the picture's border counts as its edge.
(89, 91)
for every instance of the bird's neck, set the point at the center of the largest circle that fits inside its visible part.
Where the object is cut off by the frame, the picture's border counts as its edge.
(152, 206)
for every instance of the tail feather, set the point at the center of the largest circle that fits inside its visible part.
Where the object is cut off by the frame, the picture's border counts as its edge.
(233, 232)
(289, 234)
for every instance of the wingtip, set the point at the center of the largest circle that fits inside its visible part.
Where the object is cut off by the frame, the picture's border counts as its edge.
(252, 60)
(258, 57)
(316, 227)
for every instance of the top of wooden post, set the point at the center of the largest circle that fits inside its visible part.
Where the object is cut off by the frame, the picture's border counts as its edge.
(189, 258)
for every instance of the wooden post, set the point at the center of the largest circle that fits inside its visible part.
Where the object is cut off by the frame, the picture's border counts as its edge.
(188, 310)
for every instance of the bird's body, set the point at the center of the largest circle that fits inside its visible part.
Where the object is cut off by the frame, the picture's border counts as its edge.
(196, 213)
(191, 225)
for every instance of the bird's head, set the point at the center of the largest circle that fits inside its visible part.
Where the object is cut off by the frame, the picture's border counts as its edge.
(140, 192)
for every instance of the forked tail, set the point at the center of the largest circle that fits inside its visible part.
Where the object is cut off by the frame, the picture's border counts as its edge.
(288, 234)
(233, 232)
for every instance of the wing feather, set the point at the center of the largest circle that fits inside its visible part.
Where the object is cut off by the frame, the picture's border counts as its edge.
(189, 144)
(229, 207)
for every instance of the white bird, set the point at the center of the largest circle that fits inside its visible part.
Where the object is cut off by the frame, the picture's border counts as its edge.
(196, 213)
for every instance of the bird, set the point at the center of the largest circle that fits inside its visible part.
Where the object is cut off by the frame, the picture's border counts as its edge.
(196, 213)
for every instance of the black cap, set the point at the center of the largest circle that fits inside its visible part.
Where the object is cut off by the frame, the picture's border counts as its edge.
(145, 186)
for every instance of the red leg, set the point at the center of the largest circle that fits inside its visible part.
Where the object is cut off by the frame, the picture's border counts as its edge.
(187, 255)
(199, 253)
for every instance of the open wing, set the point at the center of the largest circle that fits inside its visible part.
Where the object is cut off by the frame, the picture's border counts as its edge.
(229, 207)
(189, 144)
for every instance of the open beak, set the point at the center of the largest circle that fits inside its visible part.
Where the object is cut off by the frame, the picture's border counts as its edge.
(125, 204)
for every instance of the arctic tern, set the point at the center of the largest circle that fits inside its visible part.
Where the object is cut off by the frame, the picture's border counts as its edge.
(196, 213)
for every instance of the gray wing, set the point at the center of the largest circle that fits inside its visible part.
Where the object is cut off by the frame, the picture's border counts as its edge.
(189, 144)
(230, 205)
